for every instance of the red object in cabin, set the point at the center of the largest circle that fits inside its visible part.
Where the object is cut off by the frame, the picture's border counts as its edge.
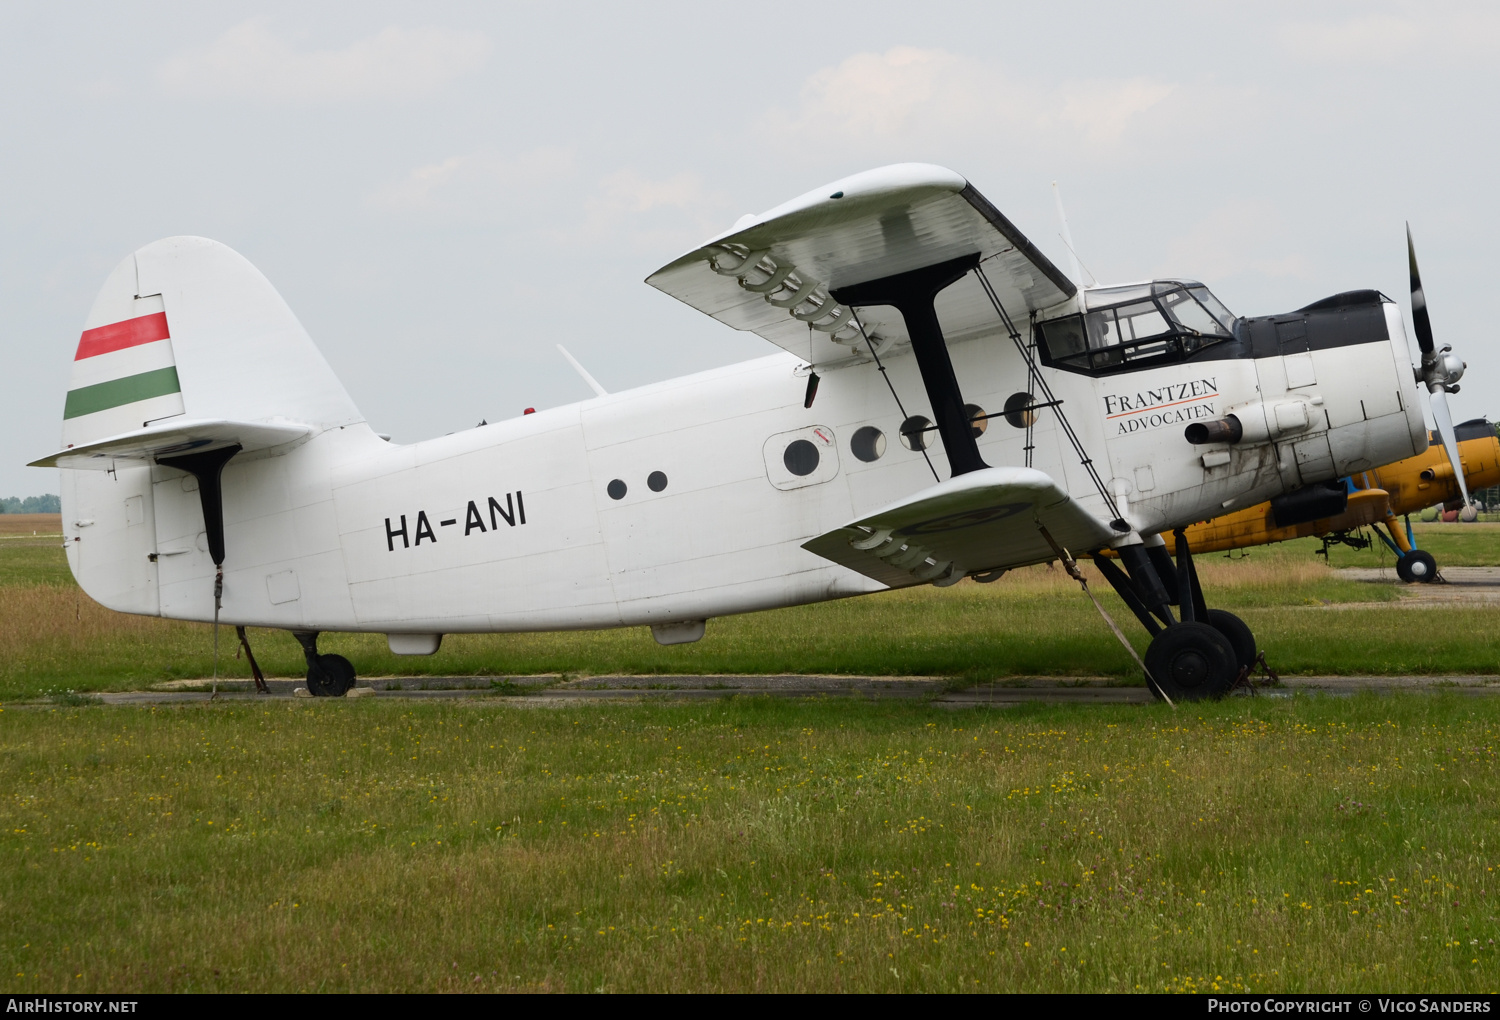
(529, 410)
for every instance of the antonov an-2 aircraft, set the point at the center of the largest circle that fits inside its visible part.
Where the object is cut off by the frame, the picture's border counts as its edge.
(946, 404)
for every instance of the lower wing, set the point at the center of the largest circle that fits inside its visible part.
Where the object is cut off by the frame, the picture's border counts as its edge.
(980, 521)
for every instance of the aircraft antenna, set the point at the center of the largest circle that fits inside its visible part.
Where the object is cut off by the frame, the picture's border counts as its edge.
(593, 383)
(1067, 238)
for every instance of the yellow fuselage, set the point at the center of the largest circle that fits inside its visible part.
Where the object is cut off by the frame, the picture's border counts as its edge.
(1380, 495)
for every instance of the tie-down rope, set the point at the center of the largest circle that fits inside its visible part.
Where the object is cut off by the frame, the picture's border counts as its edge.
(1071, 566)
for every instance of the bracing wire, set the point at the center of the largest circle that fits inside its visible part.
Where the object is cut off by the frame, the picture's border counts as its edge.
(889, 385)
(1032, 372)
(1031, 387)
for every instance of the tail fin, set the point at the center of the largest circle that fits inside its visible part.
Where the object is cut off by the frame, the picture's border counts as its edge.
(186, 329)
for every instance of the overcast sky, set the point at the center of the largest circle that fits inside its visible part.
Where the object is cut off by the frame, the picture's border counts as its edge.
(443, 191)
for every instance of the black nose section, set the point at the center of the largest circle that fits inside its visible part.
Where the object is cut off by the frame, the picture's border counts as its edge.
(1342, 320)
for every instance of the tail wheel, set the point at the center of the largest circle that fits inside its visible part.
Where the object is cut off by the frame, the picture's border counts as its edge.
(1192, 662)
(1237, 633)
(331, 678)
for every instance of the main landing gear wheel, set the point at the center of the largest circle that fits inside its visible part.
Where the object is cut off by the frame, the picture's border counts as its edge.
(1237, 633)
(332, 677)
(1192, 662)
(1417, 565)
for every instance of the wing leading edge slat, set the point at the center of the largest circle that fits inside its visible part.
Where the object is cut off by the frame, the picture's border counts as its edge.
(774, 275)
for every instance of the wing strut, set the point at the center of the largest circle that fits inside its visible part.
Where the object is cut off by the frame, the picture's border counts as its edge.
(912, 294)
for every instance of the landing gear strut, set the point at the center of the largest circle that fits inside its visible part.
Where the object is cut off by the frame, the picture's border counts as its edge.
(328, 676)
(1203, 654)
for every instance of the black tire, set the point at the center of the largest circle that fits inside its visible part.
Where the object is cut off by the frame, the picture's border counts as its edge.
(1237, 632)
(332, 678)
(1403, 570)
(1420, 566)
(1192, 662)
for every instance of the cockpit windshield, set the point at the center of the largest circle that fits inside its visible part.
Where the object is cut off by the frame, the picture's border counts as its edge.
(1123, 327)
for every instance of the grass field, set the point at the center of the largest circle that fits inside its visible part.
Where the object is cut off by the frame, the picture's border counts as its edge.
(54, 638)
(751, 844)
(1454, 545)
(1288, 844)
(1031, 622)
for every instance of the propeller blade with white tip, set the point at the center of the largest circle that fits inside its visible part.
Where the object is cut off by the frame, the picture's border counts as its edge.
(1444, 419)
(1440, 370)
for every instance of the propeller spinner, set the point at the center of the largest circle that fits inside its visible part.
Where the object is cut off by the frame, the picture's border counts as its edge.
(1440, 371)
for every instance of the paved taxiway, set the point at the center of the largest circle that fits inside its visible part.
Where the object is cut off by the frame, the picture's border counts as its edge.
(1476, 586)
(539, 690)
(1460, 586)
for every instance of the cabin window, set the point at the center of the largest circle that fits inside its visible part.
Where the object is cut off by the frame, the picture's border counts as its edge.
(1018, 410)
(801, 458)
(868, 444)
(916, 433)
(1138, 326)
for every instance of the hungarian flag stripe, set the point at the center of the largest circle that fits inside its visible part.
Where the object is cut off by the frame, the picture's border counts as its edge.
(119, 335)
(103, 396)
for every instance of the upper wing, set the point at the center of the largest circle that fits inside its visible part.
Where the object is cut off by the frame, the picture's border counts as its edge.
(982, 520)
(773, 274)
(178, 437)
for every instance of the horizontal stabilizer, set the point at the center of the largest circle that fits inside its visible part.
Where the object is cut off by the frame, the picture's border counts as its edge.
(983, 520)
(175, 439)
(775, 273)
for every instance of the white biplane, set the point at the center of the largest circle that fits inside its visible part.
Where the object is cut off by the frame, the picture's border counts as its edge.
(946, 404)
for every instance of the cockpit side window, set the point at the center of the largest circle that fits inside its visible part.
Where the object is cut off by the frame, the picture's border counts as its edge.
(1186, 310)
(1124, 323)
(1128, 327)
(1222, 315)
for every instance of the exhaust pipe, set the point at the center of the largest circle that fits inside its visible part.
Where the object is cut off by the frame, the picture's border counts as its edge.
(1253, 423)
(1226, 430)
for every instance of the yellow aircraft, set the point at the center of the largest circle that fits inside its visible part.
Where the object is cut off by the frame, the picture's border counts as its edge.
(1334, 510)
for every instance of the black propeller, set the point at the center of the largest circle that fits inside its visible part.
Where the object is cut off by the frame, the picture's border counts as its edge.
(1441, 368)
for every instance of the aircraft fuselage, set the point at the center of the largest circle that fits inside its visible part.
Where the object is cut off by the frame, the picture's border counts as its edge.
(683, 500)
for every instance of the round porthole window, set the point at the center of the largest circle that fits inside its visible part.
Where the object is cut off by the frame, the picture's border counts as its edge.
(656, 481)
(977, 420)
(1015, 410)
(868, 444)
(616, 489)
(800, 458)
(915, 434)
